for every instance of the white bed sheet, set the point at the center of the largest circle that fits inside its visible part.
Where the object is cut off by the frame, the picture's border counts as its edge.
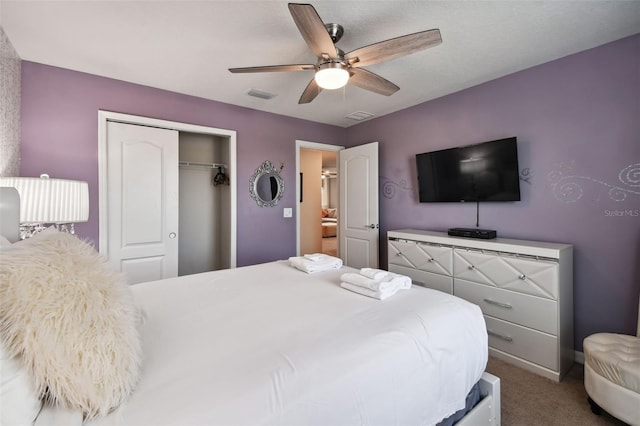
(268, 344)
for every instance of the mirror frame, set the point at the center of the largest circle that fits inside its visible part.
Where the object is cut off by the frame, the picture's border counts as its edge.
(266, 168)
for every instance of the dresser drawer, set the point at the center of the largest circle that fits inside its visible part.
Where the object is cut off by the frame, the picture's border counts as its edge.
(519, 273)
(531, 345)
(524, 288)
(529, 311)
(425, 279)
(422, 256)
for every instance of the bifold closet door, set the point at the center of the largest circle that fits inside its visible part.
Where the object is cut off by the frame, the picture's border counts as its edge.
(142, 186)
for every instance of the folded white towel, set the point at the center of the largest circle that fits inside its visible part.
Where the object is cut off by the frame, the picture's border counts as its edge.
(311, 266)
(316, 256)
(362, 281)
(402, 281)
(374, 274)
(390, 281)
(380, 295)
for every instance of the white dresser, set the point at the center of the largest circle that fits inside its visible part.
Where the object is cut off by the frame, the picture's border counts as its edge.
(524, 288)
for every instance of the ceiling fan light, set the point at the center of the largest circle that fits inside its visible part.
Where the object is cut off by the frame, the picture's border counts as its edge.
(332, 76)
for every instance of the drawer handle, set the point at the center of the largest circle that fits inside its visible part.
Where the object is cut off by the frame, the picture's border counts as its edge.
(430, 259)
(502, 305)
(522, 276)
(500, 336)
(471, 267)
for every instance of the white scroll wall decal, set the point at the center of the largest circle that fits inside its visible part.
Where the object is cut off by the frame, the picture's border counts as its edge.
(569, 187)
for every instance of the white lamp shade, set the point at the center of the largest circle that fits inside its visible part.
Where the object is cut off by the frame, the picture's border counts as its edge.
(331, 76)
(45, 200)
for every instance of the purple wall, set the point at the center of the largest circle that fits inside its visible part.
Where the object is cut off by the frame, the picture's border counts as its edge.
(60, 137)
(577, 120)
(578, 131)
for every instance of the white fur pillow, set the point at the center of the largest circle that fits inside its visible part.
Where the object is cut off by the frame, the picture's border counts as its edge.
(72, 319)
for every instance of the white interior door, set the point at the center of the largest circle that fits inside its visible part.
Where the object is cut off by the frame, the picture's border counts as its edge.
(142, 201)
(358, 208)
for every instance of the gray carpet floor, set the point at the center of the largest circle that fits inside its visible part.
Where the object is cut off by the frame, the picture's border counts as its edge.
(532, 400)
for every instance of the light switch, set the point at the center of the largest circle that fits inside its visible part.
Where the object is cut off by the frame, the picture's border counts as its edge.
(288, 212)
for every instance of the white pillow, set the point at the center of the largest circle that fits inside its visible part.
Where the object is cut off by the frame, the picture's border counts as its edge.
(71, 318)
(19, 402)
(4, 242)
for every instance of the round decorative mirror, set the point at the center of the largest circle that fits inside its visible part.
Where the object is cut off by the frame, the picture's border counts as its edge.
(266, 186)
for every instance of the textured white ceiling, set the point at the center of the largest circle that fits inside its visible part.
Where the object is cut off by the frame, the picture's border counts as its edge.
(187, 46)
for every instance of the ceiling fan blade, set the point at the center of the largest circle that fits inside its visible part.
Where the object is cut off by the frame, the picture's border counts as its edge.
(274, 68)
(313, 30)
(310, 92)
(393, 48)
(373, 82)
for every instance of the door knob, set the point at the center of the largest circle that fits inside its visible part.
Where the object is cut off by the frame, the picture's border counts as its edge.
(172, 235)
(372, 226)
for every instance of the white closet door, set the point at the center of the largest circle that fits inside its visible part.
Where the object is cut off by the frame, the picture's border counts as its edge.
(142, 186)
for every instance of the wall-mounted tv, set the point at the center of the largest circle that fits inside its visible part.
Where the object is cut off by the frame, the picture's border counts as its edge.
(486, 171)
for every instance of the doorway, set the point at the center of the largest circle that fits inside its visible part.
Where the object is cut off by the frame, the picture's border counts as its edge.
(357, 210)
(329, 196)
(195, 141)
(317, 198)
(204, 197)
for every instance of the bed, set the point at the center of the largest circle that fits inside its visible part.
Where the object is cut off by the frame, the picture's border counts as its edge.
(268, 344)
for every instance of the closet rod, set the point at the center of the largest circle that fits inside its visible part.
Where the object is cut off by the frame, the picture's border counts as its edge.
(210, 165)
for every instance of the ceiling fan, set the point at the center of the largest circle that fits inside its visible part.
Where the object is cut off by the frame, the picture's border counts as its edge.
(334, 68)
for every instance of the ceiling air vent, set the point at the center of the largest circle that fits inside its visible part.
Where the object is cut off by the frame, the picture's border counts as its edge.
(359, 115)
(260, 94)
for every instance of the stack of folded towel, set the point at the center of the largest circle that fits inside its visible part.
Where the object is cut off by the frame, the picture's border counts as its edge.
(316, 262)
(375, 283)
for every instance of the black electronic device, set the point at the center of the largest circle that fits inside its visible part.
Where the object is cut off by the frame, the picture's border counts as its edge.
(486, 171)
(485, 234)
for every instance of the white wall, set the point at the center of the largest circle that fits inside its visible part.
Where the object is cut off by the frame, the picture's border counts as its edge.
(330, 192)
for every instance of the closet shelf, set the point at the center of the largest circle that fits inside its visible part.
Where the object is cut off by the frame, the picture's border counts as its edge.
(209, 165)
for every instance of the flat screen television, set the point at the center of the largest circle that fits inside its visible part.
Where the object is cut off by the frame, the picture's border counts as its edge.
(486, 171)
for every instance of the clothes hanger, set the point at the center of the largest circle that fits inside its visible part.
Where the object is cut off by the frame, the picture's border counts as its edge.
(220, 178)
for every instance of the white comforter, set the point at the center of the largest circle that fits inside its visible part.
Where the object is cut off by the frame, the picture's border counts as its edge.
(269, 344)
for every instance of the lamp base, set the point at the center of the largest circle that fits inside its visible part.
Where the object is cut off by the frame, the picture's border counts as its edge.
(31, 229)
